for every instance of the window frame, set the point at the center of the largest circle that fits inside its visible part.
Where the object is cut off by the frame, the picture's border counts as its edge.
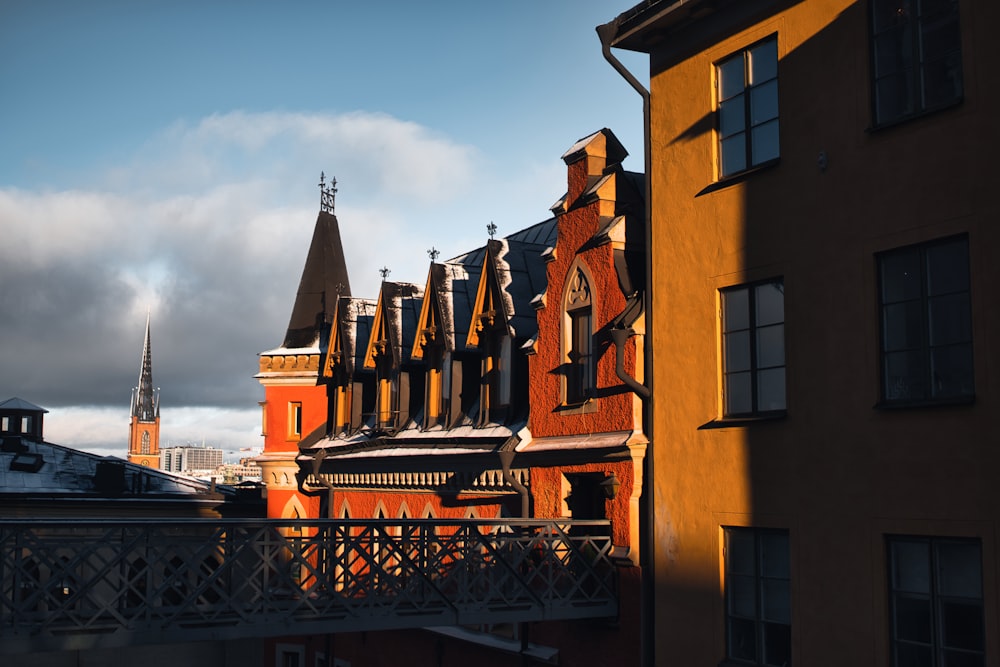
(579, 379)
(759, 577)
(912, 31)
(935, 598)
(924, 348)
(294, 420)
(754, 368)
(747, 126)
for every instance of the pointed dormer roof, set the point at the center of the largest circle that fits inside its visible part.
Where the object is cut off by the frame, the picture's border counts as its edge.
(145, 407)
(395, 321)
(446, 307)
(324, 278)
(349, 336)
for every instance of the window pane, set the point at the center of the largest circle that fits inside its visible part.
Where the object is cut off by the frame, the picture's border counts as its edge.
(900, 273)
(770, 301)
(771, 389)
(777, 644)
(904, 376)
(949, 319)
(740, 551)
(731, 78)
(742, 639)
(911, 566)
(774, 555)
(742, 596)
(738, 399)
(734, 154)
(894, 97)
(764, 62)
(951, 371)
(890, 57)
(962, 625)
(764, 142)
(771, 346)
(913, 655)
(963, 659)
(775, 600)
(736, 309)
(764, 103)
(737, 351)
(948, 268)
(732, 116)
(902, 324)
(913, 619)
(959, 569)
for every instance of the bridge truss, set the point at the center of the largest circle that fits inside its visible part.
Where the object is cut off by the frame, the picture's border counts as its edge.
(68, 585)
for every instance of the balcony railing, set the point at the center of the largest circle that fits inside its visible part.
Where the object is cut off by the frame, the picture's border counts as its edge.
(90, 584)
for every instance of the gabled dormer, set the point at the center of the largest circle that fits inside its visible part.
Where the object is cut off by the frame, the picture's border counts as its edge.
(395, 320)
(490, 332)
(342, 369)
(434, 342)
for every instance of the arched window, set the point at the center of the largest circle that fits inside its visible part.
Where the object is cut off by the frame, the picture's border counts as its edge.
(578, 333)
(145, 442)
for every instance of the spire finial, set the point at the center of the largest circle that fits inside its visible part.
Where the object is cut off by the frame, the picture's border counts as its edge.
(433, 253)
(327, 194)
(384, 272)
(492, 229)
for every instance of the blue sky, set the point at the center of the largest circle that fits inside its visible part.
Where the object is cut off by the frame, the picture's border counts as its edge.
(164, 156)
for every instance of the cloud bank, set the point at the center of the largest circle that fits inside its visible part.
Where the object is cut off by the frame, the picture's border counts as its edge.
(206, 226)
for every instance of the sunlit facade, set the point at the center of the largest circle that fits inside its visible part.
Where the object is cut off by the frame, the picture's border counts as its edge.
(823, 328)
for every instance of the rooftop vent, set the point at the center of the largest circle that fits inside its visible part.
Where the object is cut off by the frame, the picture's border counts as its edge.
(24, 462)
(109, 478)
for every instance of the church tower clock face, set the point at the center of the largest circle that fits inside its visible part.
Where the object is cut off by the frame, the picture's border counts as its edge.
(145, 462)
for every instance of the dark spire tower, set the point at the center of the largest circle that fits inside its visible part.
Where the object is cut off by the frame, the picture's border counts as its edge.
(144, 426)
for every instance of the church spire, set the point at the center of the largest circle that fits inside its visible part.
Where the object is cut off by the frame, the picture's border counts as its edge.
(145, 407)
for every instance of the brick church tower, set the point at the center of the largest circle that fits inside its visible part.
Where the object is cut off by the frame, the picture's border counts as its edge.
(144, 426)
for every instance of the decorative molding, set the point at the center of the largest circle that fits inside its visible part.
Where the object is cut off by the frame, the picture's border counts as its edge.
(289, 363)
(489, 481)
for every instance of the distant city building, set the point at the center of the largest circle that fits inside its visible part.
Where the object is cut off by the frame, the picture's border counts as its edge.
(190, 459)
(144, 426)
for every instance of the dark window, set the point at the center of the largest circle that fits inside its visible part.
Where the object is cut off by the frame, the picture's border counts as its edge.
(758, 597)
(926, 322)
(753, 348)
(917, 57)
(748, 108)
(580, 373)
(578, 337)
(935, 601)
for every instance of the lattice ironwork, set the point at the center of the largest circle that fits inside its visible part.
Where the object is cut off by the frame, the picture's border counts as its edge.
(77, 584)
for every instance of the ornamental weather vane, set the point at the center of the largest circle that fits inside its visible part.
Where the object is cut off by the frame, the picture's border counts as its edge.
(492, 229)
(327, 194)
(433, 253)
(384, 272)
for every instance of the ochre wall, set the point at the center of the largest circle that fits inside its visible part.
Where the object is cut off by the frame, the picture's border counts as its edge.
(837, 473)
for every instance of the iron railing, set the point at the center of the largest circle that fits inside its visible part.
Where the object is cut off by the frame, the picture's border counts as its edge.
(90, 584)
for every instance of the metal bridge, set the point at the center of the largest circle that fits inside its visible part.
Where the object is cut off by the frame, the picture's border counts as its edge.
(76, 585)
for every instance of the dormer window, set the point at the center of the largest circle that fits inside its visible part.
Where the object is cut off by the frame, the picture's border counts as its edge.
(578, 336)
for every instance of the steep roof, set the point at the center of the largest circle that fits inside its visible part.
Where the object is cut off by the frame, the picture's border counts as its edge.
(324, 278)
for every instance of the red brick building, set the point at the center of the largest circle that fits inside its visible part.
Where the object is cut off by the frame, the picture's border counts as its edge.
(506, 383)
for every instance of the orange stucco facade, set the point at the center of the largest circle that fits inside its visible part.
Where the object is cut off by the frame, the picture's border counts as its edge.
(843, 470)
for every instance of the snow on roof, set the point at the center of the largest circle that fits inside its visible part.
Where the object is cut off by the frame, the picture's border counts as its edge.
(69, 472)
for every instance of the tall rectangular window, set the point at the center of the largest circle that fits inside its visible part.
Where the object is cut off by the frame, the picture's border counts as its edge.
(916, 57)
(753, 349)
(758, 597)
(935, 601)
(294, 420)
(926, 322)
(747, 93)
(580, 373)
